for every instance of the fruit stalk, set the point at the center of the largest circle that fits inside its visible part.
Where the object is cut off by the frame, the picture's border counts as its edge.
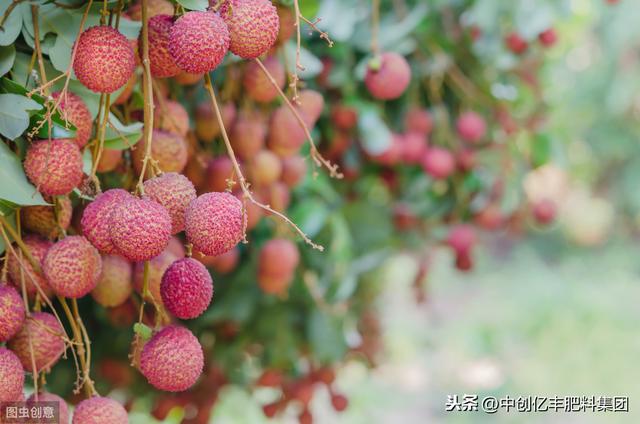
(147, 87)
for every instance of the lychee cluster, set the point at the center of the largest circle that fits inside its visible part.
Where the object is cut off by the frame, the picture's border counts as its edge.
(39, 342)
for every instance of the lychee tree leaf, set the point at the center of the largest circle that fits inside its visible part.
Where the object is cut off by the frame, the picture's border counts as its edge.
(375, 136)
(15, 187)
(11, 26)
(14, 115)
(7, 57)
(119, 136)
(326, 337)
(194, 4)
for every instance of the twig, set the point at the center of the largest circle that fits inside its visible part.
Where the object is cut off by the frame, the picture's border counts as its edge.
(36, 35)
(86, 382)
(314, 25)
(147, 89)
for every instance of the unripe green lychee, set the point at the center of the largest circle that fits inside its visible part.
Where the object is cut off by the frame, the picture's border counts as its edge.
(11, 312)
(96, 219)
(154, 8)
(140, 229)
(42, 219)
(104, 59)
(390, 79)
(114, 286)
(72, 267)
(253, 26)
(172, 117)
(63, 408)
(100, 410)
(11, 376)
(19, 267)
(207, 128)
(174, 192)
(160, 61)
(277, 264)
(170, 150)
(172, 360)
(264, 168)
(186, 288)
(41, 335)
(54, 167)
(257, 84)
(74, 110)
(198, 41)
(215, 223)
(248, 135)
(157, 267)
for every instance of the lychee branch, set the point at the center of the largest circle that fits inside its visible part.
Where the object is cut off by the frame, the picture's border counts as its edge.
(147, 88)
(86, 381)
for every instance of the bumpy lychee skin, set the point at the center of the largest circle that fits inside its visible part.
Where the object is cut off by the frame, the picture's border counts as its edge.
(174, 192)
(38, 249)
(257, 84)
(154, 8)
(172, 117)
(277, 264)
(172, 360)
(72, 267)
(42, 219)
(186, 288)
(141, 229)
(42, 334)
(471, 127)
(161, 63)
(54, 167)
(114, 286)
(253, 26)
(75, 111)
(104, 59)
(11, 376)
(391, 79)
(96, 219)
(11, 312)
(157, 267)
(170, 150)
(198, 41)
(214, 223)
(63, 408)
(100, 410)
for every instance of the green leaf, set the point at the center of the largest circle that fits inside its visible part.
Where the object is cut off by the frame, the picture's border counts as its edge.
(540, 149)
(142, 330)
(375, 136)
(201, 5)
(14, 118)
(87, 161)
(7, 57)
(11, 26)
(15, 188)
(119, 136)
(325, 336)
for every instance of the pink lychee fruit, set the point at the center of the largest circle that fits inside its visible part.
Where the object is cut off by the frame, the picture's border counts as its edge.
(42, 220)
(54, 166)
(253, 26)
(173, 191)
(114, 286)
(390, 79)
(471, 127)
(168, 149)
(413, 147)
(74, 110)
(41, 335)
(258, 85)
(12, 312)
(516, 43)
(19, 267)
(186, 288)
(462, 238)
(439, 163)
(11, 376)
(100, 410)
(96, 219)
(161, 62)
(72, 267)
(294, 169)
(277, 264)
(418, 120)
(172, 117)
(248, 135)
(63, 408)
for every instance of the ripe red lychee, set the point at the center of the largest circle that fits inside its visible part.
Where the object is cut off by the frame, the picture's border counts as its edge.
(338, 145)
(413, 147)
(172, 117)
(41, 335)
(96, 219)
(390, 79)
(466, 159)
(63, 409)
(104, 59)
(544, 211)
(294, 169)
(278, 196)
(462, 238)
(439, 163)
(215, 223)
(186, 288)
(392, 154)
(74, 110)
(19, 267)
(11, 312)
(176, 247)
(311, 104)
(286, 135)
(157, 267)
(207, 128)
(100, 410)
(248, 135)
(54, 167)
(114, 286)
(219, 172)
(548, 37)
(172, 360)
(264, 168)
(174, 192)
(418, 120)
(257, 84)
(154, 8)
(287, 23)
(42, 219)
(161, 63)
(170, 150)
(198, 41)
(11, 376)
(72, 267)
(140, 229)
(277, 264)
(186, 78)
(471, 127)
(253, 26)
(516, 43)
(339, 402)
(344, 117)
(109, 160)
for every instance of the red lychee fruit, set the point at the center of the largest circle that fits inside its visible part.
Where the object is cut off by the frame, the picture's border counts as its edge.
(42, 219)
(253, 26)
(74, 110)
(100, 410)
(41, 335)
(390, 79)
(248, 135)
(219, 172)
(278, 196)
(154, 8)
(11, 376)
(257, 84)
(55, 167)
(466, 159)
(104, 59)
(339, 402)
(270, 378)
(338, 145)
(170, 150)
(172, 117)
(172, 360)
(464, 262)
(413, 147)
(222, 264)
(186, 288)
(176, 247)
(18, 266)
(516, 44)
(72, 267)
(198, 41)
(161, 62)
(126, 93)
(271, 409)
(109, 160)
(548, 37)
(418, 120)
(286, 135)
(490, 218)
(186, 78)
(471, 127)
(174, 192)
(253, 211)
(544, 211)
(114, 286)
(305, 417)
(215, 223)
(11, 312)
(287, 23)
(140, 229)
(157, 267)
(63, 408)
(294, 169)
(392, 154)
(462, 238)
(439, 163)
(344, 117)
(264, 169)
(207, 128)
(277, 264)
(311, 104)
(96, 219)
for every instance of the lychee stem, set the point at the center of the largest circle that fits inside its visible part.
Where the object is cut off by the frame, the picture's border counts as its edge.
(100, 147)
(36, 36)
(375, 27)
(89, 388)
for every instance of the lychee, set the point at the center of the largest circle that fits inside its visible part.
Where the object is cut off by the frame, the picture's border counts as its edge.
(172, 117)
(286, 135)
(176, 247)
(392, 154)
(63, 409)
(100, 410)
(11, 376)
(311, 103)
(72, 267)
(42, 219)
(219, 172)
(439, 163)
(11, 312)
(157, 267)
(96, 219)
(186, 288)
(277, 264)
(278, 196)
(466, 159)
(222, 264)
(140, 229)
(54, 166)
(186, 78)
(39, 341)
(462, 238)
(294, 169)
(413, 147)
(248, 135)
(264, 169)
(287, 23)
(516, 43)
(198, 41)
(74, 110)
(253, 211)
(344, 117)
(215, 223)
(114, 286)
(126, 93)
(154, 8)
(471, 127)
(19, 267)
(160, 61)
(207, 128)
(548, 37)
(169, 150)
(418, 120)
(390, 78)
(104, 59)
(253, 26)
(257, 84)
(174, 192)
(544, 211)
(172, 360)
(109, 160)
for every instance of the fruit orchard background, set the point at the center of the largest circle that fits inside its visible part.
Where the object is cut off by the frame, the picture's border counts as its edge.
(560, 142)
